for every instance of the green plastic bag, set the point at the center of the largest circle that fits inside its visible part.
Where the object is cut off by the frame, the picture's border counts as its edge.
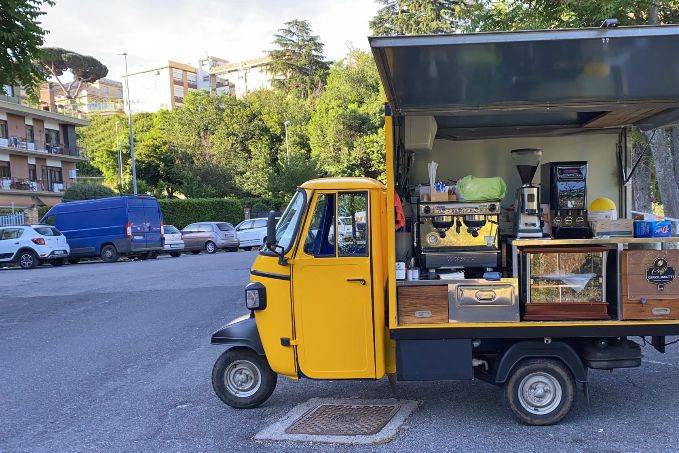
(480, 189)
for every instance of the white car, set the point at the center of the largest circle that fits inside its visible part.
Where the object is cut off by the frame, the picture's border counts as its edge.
(30, 245)
(173, 242)
(251, 233)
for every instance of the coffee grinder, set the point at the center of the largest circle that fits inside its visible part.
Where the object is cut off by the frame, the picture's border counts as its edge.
(527, 222)
(564, 187)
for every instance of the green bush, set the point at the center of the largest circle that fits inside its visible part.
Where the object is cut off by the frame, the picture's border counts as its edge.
(182, 212)
(42, 210)
(87, 191)
(261, 205)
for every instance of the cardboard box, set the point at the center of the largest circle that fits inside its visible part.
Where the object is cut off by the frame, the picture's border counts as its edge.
(620, 227)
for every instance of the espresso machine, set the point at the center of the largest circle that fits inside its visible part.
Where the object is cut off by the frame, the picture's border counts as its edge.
(527, 212)
(564, 187)
(458, 234)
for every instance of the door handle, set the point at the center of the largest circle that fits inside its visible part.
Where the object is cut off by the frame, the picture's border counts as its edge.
(357, 280)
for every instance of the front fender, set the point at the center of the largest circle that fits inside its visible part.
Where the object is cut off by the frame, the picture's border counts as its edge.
(240, 332)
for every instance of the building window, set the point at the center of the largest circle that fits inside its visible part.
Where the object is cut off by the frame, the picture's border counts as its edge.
(191, 80)
(5, 171)
(51, 176)
(52, 137)
(32, 172)
(178, 76)
(3, 129)
(30, 136)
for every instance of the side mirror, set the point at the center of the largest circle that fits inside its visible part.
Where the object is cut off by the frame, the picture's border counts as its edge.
(270, 239)
(271, 230)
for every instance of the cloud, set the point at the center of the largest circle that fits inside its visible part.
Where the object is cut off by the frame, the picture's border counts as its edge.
(154, 31)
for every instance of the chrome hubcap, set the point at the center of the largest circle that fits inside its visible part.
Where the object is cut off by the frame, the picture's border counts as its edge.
(108, 253)
(242, 378)
(540, 393)
(210, 248)
(26, 260)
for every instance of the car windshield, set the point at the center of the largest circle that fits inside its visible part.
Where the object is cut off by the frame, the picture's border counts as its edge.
(225, 226)
(286, 228)
(47, 231)
(169, 229)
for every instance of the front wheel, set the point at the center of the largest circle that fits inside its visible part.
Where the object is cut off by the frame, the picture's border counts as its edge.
(540, 391)
(109, 254)
(243, 379)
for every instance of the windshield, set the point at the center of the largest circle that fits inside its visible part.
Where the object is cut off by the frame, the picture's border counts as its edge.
(286, 228)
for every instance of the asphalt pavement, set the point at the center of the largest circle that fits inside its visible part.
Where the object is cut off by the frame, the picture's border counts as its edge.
(117, 357)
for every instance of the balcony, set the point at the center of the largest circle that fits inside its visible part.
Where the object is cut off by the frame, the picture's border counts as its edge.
(30, 148)
(21, 185)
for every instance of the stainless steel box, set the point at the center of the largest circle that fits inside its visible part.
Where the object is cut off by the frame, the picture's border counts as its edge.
(484, 300)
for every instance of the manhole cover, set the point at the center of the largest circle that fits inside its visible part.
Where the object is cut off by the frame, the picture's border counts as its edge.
(344, 420)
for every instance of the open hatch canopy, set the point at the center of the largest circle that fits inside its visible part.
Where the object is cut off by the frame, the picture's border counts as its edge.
(534, 82)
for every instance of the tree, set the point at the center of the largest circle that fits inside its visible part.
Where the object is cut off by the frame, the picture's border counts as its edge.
(416, 17)
(21, 36)
(298, 63)
(87, 191)
(85, 69)
(346, 126)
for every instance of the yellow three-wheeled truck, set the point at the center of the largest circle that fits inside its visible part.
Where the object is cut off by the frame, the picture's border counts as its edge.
(520, 281)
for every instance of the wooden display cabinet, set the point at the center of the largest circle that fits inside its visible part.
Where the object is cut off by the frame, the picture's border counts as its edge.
(649, 288)
(565, 283)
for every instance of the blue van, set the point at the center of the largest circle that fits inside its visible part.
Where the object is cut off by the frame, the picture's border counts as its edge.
(109, 227)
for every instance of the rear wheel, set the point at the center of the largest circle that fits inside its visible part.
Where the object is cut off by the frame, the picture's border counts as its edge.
(540, 391)
(109, 254)
(175, 254)
(243, 379)
(210, 247)
(27, 259)
(57, 262)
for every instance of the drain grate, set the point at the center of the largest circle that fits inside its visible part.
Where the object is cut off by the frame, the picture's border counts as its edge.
(344, 420)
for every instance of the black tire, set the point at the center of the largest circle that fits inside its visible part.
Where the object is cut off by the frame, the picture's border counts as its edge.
(109, 254)
(247, 249)
(57, 262)
(153, 255)
(73, 260)
(195, 252)
(535, 377)
(27, 259)
(243, 364)
(175, 254)
(210, 247)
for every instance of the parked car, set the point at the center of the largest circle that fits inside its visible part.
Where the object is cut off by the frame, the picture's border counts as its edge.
(172, 241)
(31, 245)
(109, 227)
(210, 237)
(251, 233)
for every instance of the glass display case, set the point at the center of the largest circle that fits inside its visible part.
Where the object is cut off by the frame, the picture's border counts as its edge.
(565, 283)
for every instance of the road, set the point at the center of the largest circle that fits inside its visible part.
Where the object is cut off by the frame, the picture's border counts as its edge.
(116, 357)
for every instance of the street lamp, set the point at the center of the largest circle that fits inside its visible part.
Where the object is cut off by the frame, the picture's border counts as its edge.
(129, 123)
(287, 143)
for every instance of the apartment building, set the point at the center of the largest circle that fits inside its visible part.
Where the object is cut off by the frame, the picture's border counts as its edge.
(38, 155)
(246, 75)
(104, 96)
(165, 86)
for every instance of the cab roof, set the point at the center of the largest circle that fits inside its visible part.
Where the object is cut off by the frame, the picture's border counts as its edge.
(342, 183)
(544, 82)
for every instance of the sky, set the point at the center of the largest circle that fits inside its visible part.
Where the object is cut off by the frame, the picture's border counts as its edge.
(155, 31)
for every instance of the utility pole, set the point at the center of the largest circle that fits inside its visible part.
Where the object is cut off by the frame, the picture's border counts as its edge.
(287, 144)
(129, 124)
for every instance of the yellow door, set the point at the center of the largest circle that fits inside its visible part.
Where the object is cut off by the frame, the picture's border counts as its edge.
(332, 289)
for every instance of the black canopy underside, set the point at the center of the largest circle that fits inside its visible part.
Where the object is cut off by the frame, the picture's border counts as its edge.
(534, 82)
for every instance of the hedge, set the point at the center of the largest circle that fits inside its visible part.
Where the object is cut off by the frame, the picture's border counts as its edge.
(180, 212)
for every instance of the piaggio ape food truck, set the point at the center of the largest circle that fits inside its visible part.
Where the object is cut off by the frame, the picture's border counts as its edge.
(487, 254)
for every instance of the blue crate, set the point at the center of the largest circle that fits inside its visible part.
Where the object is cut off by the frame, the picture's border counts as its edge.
(652, 229)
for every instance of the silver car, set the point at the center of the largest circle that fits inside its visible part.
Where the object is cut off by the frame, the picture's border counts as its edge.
(210, 237)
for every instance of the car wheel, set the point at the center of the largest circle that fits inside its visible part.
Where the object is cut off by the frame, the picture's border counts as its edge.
(243, 379)
(175, 254)
(109, 254)
(57, 262)
(73, 260)
(210, 247)
(540, 391)
(195, 252)
(27, 259)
